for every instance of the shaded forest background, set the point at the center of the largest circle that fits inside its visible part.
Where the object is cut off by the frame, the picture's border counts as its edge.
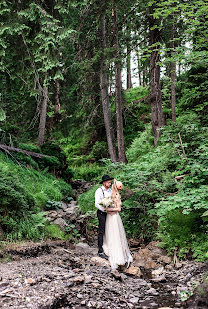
(67, 113)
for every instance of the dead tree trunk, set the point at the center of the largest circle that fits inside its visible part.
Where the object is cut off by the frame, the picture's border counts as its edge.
(42, 123)
(173, 72)
(105, 96)
(155, 86)
(119, 117)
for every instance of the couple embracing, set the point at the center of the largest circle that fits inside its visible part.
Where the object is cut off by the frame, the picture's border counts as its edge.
(112, 243)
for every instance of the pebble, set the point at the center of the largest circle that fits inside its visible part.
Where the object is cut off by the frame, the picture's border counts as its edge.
(134, 300)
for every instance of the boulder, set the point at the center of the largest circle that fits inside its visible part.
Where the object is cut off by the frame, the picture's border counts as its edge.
(164, 259)
(52, 214)
(158, 272)
(143, 259)
(133, 270)
(63, 206)
(155, 251)
(85, 248)
(61, 223)
(99, 261)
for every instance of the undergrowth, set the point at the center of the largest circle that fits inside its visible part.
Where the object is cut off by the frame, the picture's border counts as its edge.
(165, 194)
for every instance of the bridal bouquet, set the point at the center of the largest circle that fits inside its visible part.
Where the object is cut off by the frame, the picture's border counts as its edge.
(107, 202)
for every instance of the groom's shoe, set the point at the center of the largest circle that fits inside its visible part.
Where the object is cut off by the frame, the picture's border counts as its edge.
(103, 255)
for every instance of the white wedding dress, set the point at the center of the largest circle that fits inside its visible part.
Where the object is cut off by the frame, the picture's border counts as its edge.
(115, 243)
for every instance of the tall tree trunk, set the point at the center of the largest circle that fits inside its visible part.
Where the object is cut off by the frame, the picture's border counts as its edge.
(119, 117)
(57, 106)
(128, 76)
(155, 86)
(105, 96)
(42, 123)
(139, 67)
(173, 72)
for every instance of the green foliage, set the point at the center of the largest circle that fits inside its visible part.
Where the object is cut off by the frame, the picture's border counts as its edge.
(88, 171)
(52, 205)
(72, 232)
(54, 232)
(141, 145)
(23, 192)
(87, 200)
(154, 193)
(136, 112)
(28, 227)
(99, 150)
(192, 87)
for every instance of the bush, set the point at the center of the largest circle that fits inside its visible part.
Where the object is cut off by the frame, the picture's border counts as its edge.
(28, 227)
(54, 232)
(88, 171)
(155, 195)
(87, 200)
(141, 145)
(23, 193)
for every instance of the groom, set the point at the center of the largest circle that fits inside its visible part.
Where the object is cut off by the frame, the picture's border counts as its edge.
(100, 194)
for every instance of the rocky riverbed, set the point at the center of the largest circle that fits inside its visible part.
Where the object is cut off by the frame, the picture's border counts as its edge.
(62, 275)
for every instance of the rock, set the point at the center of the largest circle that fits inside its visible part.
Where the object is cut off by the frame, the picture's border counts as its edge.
(117, 275)
(152, 291)
(182, 289)
(143, 259)
(30, 281)
(79, 295)
(79, 279)
(133, 270)
(178, 265)
(164, 259)
(61, 223)
(63, 206)
(134, 300)
(169, 267)
(157, 272)
(85, 248)
(155, 251)
(72, 203)
(159, 279)
(91, 304)
(87, 278)
(99, 261)
(52, 214)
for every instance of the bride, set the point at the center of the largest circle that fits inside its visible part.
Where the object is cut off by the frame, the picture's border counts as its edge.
(115, 244)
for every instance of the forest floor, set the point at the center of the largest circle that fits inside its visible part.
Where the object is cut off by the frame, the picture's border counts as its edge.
(54, 274)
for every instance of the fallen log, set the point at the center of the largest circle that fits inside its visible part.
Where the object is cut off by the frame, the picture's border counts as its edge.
(28, 153)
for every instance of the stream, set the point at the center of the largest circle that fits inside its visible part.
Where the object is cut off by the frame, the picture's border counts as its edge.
(54, 274)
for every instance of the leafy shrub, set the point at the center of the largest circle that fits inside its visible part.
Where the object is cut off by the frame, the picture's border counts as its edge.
(88, 171)
(54, 232)
(141, 145)
(155, 195)
(99, 150)
(29, 227)
(87, 200)
(23, 193)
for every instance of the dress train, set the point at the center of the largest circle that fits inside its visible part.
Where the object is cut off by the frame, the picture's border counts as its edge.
(115, 243)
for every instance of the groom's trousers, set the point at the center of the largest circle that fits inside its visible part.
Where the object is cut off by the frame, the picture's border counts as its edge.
(101, 228)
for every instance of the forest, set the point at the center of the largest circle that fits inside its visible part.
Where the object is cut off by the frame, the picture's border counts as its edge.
(92, 87)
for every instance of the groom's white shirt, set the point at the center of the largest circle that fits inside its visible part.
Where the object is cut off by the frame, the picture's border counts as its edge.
(100, 194)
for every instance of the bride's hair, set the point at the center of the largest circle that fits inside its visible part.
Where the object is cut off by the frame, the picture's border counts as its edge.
(115, 191)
